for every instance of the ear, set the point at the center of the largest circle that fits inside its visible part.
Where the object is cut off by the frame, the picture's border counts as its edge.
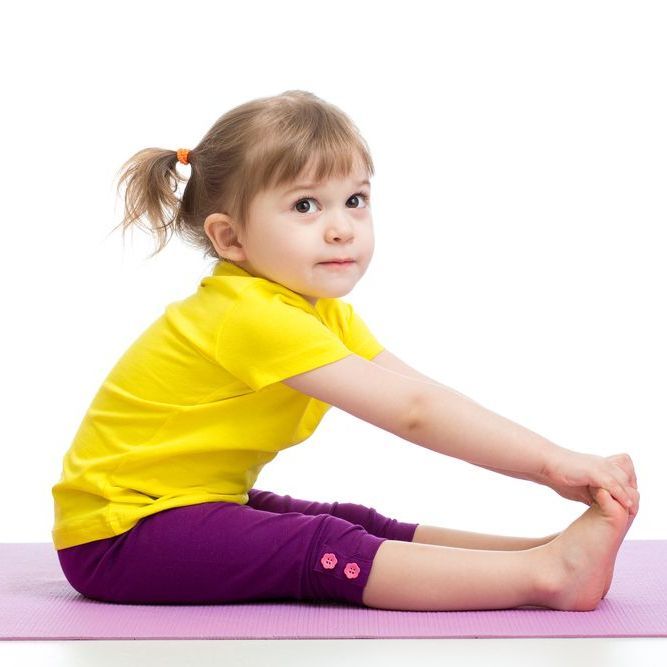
(224, 234)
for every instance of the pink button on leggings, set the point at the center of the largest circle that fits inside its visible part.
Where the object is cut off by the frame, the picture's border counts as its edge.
(275, 547)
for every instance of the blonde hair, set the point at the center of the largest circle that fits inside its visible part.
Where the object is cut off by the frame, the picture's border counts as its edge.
(261, 144)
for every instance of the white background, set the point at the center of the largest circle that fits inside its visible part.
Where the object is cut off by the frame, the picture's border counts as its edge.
(519, 211)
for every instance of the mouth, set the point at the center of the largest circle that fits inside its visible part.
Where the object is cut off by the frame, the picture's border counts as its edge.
(338, 263)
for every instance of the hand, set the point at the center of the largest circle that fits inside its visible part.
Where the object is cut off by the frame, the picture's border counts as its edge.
(576, 476)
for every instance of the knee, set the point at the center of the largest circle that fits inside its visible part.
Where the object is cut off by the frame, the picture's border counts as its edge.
(340, 562)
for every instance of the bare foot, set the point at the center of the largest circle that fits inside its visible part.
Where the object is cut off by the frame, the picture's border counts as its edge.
(610, 575)
(582, 557)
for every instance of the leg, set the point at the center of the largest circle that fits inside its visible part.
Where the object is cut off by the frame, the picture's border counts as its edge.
(377, 524)
(425, 577)
(366, 517)
(448, 537)
(220, 552)
(568, 573)
(381, 526)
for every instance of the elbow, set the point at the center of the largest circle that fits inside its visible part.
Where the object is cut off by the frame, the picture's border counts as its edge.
(417, 411)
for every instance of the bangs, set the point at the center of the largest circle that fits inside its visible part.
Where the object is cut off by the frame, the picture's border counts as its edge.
(319, 163)
(314, 159)
(297, 138)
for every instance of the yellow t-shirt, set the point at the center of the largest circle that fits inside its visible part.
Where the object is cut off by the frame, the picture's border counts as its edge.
(195, 407)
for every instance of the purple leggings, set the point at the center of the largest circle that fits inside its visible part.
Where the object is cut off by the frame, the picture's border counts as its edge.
(275, 547)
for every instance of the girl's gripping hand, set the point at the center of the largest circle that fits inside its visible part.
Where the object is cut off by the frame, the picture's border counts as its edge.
(576, 476)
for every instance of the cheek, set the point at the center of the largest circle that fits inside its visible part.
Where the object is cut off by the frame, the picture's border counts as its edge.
(286, 250)
(370, 236)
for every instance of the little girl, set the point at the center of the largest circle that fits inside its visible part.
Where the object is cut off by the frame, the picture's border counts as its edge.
(156, 501)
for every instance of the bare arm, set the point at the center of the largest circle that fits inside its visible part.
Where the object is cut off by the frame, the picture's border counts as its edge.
(458, 426)
(449, 423)
(428, 414)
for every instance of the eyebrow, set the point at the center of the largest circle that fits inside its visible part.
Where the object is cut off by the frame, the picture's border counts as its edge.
(309, 186)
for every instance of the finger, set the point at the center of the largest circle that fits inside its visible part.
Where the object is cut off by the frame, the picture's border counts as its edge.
(625, 462)
(618, 490)
(619, 485)
(603, 498)
(633, 474)
(630, 475)
(621, 467)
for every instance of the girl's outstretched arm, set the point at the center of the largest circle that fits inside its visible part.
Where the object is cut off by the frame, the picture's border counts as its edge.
(438, 418)
(573, 478)
(427, 414)
(388, 360)
(453, 424)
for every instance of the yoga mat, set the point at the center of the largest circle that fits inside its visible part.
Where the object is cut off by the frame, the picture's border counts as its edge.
(37, 602)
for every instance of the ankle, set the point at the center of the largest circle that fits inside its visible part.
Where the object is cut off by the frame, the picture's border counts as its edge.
(548, 578)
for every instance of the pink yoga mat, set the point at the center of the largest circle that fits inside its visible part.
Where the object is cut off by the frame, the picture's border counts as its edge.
(37, 602)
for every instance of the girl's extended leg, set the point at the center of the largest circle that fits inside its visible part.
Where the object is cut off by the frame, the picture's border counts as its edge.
(462, 539)
(448, 537)
(568, 573)
(426, 577)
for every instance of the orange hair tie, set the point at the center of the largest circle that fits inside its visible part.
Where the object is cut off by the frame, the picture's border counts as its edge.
(182, 155)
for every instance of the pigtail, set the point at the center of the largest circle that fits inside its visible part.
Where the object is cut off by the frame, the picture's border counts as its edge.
(151, 181)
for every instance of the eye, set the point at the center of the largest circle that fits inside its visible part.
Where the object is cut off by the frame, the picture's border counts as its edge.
(302, 200)
(365, 196)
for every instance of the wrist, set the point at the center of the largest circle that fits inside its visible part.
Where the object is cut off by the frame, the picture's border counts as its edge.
(551, 456)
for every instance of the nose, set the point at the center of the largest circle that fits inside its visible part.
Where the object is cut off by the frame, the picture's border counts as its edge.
(340, 228)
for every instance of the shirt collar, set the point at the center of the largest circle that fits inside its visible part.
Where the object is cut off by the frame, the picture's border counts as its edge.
(225, 268)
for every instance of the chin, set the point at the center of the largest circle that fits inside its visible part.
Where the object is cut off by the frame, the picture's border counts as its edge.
(334, 293)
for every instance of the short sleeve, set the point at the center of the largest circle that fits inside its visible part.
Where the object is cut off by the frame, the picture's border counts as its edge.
(358, 337)
(269, 335)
